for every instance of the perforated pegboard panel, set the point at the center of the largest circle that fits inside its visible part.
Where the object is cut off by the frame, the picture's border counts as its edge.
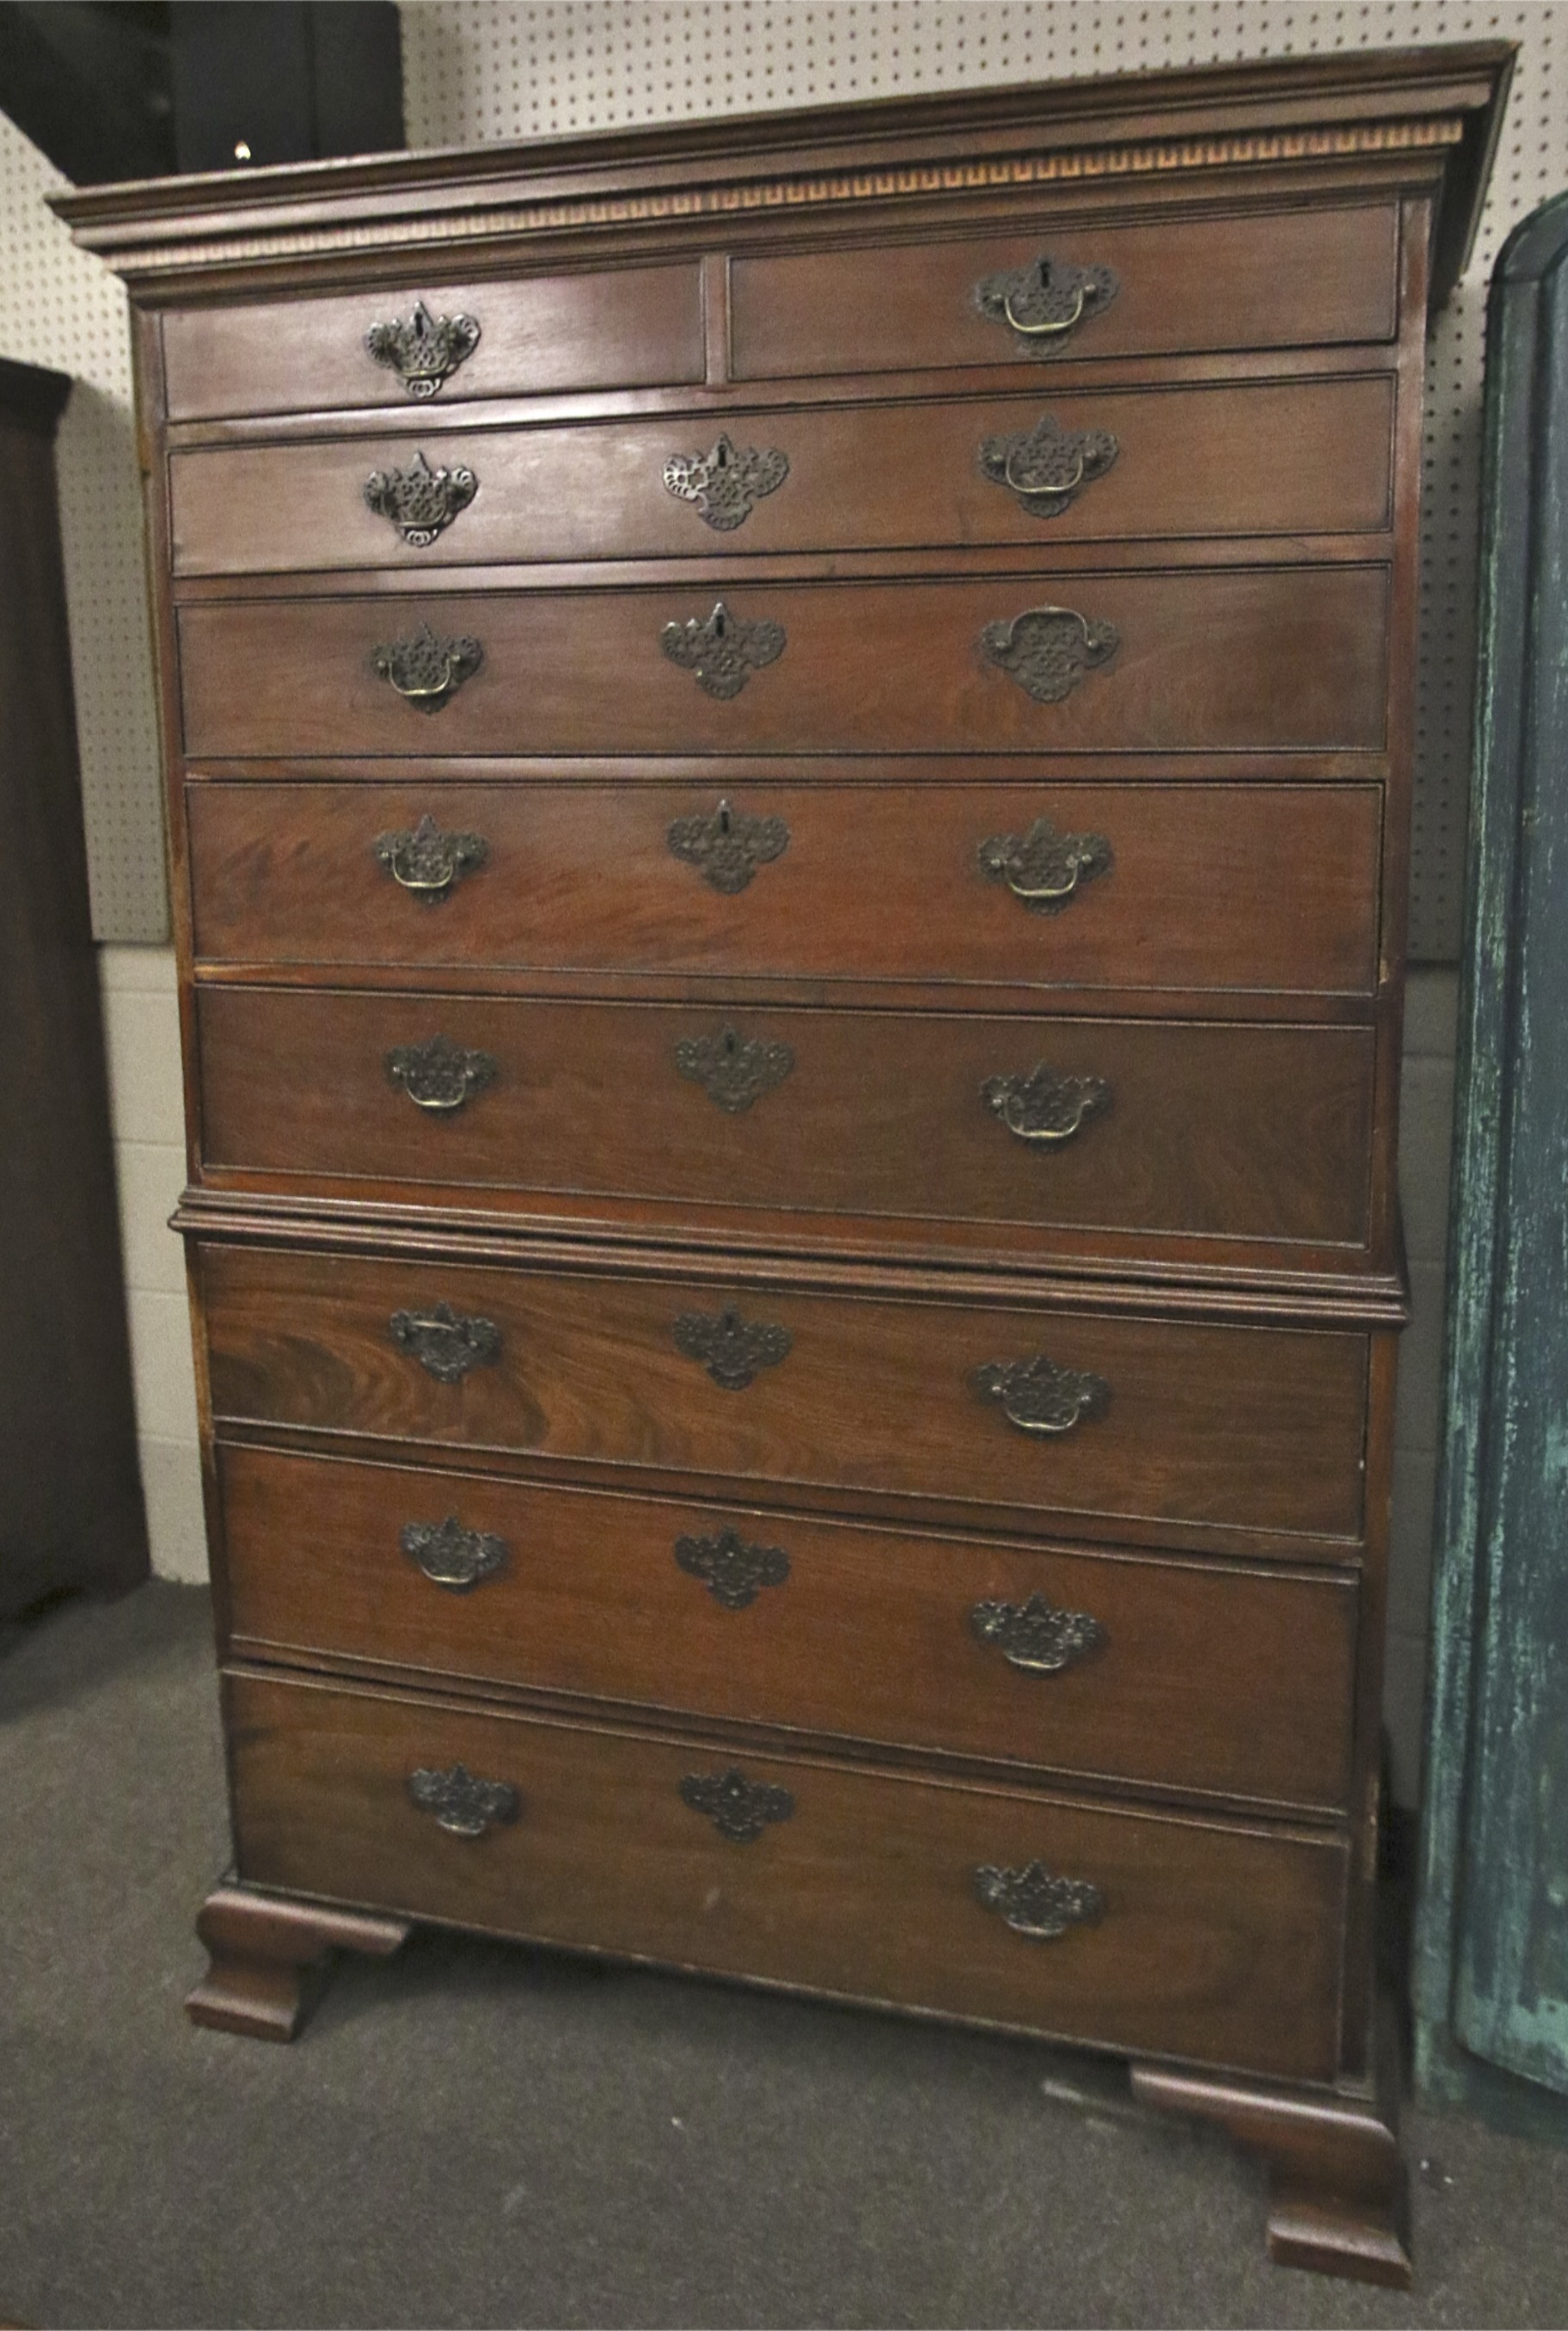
(63, 308)
(487, 69)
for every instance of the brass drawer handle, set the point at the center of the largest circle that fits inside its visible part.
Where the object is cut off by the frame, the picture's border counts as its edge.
(733, 1070)
(445, 1343)
(728, 845)
(461, 1803)
(427, 861)
(1038, 1396)
(740, 1809)
(419, 502)
(732, 1349)
(1048, 650)
(424, 670)
(1044, 869)
(1035, 1904)
(1036, 1637)
(451, 1555)
(733, 1570)
(723, 650)
(1046, 301)
(1045, 467)
(439, 1074)
(425, 351)
(726, 484)
(1044, 1106)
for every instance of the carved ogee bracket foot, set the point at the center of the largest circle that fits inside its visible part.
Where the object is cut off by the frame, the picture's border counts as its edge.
(1337, 2196)
(272, 1959)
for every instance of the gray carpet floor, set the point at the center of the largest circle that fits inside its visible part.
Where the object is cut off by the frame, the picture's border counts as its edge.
(470, 2134)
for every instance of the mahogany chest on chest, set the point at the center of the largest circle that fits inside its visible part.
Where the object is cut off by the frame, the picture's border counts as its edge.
(789, 752)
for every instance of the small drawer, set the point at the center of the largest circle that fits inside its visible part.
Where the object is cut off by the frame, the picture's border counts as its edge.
(1280, 278)
(622, 327)
(1140, 1932)
(1169, 1127)
(1288, 457)
(1222, 1680)
(1246, 1439)
(1265, 658)
(970, 888)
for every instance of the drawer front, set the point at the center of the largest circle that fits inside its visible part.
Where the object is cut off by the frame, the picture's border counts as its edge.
(623, 328)
(1191, 1678)
(1286, 279)
(1182, 1938)
(1120, 887)
(1207, 1430)
(1311, 456)
(1267, 659)
(1163, 1126)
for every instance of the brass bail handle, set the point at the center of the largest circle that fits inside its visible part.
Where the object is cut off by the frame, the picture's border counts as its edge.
(1012, 1115)
(1039, 331)
(415, 693)
(1047, 890)
(1039, 1424)
(442, 882)
(1071, 485)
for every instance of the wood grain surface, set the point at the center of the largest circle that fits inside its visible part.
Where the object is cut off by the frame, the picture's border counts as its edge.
(1225, 1429)
(1240, 887)
(1214, 1943)
(1220, 1679)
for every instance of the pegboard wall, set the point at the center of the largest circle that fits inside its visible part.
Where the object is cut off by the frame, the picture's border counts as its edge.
(63, 308)
(490, 69)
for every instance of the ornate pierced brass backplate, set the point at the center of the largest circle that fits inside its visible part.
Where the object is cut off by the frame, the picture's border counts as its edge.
(420, 501)
(1043, 304)
(426, 670)
(728, 845)
(438, 1074)
(451, 1555)
(1038, 1396)
(1034, 1903)
(1037, 1637)
(722, 650)
(461, 1803)
(1045, 1106)
(732, 1349)
(728, 482)
(733, 1570)
(1043, 868)
(1046, 468)
(740, 1809)
(427, 861)
(733, 1070)
(1048, 650)
(425, 351)
(445, 1343)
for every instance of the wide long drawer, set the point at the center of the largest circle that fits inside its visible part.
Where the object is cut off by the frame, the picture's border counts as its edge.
(1286, 457)
(1247, 887)
(1177, 1674)
(1172, 1127)
(1144, 1933)
(1216, 1435)
(1265, 658)
(1277, 279)
(613, 328)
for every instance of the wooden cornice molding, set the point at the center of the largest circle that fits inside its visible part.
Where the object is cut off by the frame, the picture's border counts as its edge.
(1438, 106)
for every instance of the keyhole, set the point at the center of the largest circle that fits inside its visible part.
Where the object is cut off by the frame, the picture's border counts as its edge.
(731, 1043)
(724, 817)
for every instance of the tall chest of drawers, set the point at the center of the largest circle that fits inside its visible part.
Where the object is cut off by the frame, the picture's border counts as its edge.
(789, 747)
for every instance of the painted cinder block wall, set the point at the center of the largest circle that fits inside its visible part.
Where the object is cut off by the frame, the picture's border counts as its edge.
(485, 69)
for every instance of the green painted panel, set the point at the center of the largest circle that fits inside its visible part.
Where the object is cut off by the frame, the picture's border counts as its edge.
(1492, 1960)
